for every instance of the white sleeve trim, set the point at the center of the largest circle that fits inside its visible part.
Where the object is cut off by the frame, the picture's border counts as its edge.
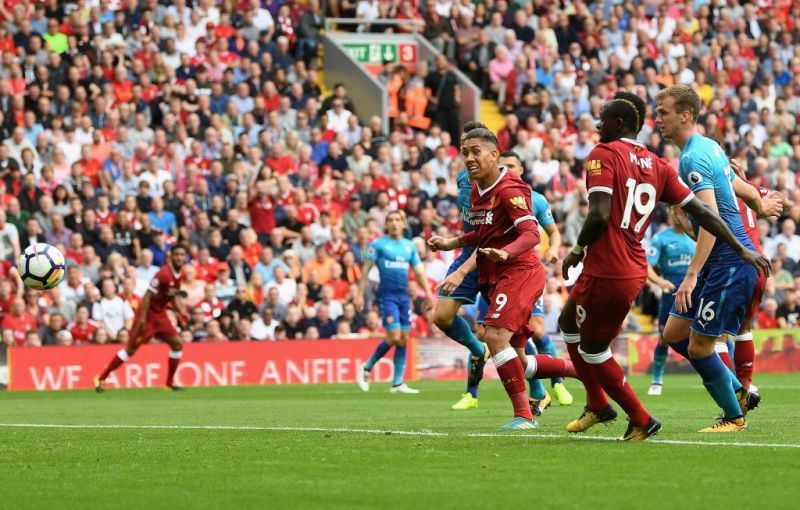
(601, 189)
(524, 218)
(153, 290)
(686, 200)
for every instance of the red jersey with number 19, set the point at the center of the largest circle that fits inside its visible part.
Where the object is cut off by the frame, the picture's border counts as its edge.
(494, 214)
(636, 179)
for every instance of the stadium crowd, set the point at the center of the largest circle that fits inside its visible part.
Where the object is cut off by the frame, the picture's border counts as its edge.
(128, 126)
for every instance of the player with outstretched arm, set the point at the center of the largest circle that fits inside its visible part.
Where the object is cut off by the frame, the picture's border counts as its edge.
(624, 181)
(510, 275)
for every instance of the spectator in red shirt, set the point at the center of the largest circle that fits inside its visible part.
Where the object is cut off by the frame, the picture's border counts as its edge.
(17, 323)
(83, 328)
(206, 266)
(211, 305)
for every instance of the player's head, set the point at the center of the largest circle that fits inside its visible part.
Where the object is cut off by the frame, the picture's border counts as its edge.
(512, 161)
(638, 103)
(177, 256)
(677, 110)
(395, 223)
(620, 118)
(479, 152)
(469, 126)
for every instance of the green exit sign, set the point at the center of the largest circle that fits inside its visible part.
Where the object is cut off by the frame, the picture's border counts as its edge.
(372, 53)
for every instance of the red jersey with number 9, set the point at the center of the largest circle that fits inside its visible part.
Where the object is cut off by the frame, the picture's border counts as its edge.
(636, 179)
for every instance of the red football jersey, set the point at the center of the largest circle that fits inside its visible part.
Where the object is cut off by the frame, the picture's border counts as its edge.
(494, 214)
(19, 326)
(636, 179)
(750, 219)
(164, 286)
(207, 272)
(83, 334)
(211, 309)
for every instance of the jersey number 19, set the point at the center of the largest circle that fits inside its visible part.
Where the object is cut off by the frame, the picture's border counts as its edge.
(641, 197)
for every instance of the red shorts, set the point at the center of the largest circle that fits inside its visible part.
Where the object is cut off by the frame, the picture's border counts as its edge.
(602, 305)
(158, 326)
(758, 293)
(510, 298)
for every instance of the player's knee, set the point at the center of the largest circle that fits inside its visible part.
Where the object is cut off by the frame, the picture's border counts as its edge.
(442, 317)
(537, 328)
(699, 350)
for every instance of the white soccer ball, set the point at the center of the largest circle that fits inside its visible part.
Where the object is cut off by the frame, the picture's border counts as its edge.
(41, 266)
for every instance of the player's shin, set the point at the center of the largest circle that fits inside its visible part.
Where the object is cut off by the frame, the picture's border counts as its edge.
(399, 364)
(174, 361)
(743, 358)
(380, 352)
(596, 399)
(659, 363)
(722, 351)
(512, 374)
(545, 366)
(536, 388)
(611, 377)
(119, 358)
(546, 346)
(716, 377)
(460, 331)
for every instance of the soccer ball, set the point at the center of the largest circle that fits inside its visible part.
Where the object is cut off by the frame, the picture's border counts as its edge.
(41, 266)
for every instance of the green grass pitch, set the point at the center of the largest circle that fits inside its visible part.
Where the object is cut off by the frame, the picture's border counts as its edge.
(333, 447)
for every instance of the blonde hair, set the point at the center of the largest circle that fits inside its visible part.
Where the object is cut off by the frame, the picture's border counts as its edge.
(685, 99)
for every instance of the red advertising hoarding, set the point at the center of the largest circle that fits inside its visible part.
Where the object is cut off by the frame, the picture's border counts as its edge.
(203, 364)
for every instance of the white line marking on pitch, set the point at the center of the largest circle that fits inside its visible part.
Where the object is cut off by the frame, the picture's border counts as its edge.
(413, 433)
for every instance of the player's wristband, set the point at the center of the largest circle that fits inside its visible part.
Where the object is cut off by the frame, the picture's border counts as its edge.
(577, 249)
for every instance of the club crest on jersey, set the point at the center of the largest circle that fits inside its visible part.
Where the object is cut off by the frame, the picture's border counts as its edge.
(519, 202)
(594, 167)
(491, 202)
(695, 178)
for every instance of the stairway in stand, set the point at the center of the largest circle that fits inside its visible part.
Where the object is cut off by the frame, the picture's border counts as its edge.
(491, 115)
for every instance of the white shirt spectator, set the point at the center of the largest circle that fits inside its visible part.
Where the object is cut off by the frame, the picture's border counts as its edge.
(263, 19)
(156, 181)
(259, 330)
(338, 121)
(368, 10)
(543, 171)
(787, 237)
(335, 309)
(113, 313)
(9, 239)
(286, 290)
(320, 234)
(759, 134)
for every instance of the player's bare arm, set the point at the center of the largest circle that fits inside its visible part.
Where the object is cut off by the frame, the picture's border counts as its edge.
(454, 279)
(554, 237)
(362, 283)
(593, 227)
(419, 271)
(713, 224)
(654, 278)
(765, 206)
(777, 195)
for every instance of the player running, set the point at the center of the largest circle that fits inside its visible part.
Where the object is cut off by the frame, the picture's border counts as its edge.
(624, 181)
(539, 398)
(151, 319)
(509, 272)
(718, 287)
(459, 288)
(671, 251)
(393, 255)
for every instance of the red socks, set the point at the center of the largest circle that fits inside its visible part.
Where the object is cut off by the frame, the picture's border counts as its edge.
(609, 374)
(120, 358)
(744, 355)
(509, 368)
(174, 361)
(544, 366)
(596, 399)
